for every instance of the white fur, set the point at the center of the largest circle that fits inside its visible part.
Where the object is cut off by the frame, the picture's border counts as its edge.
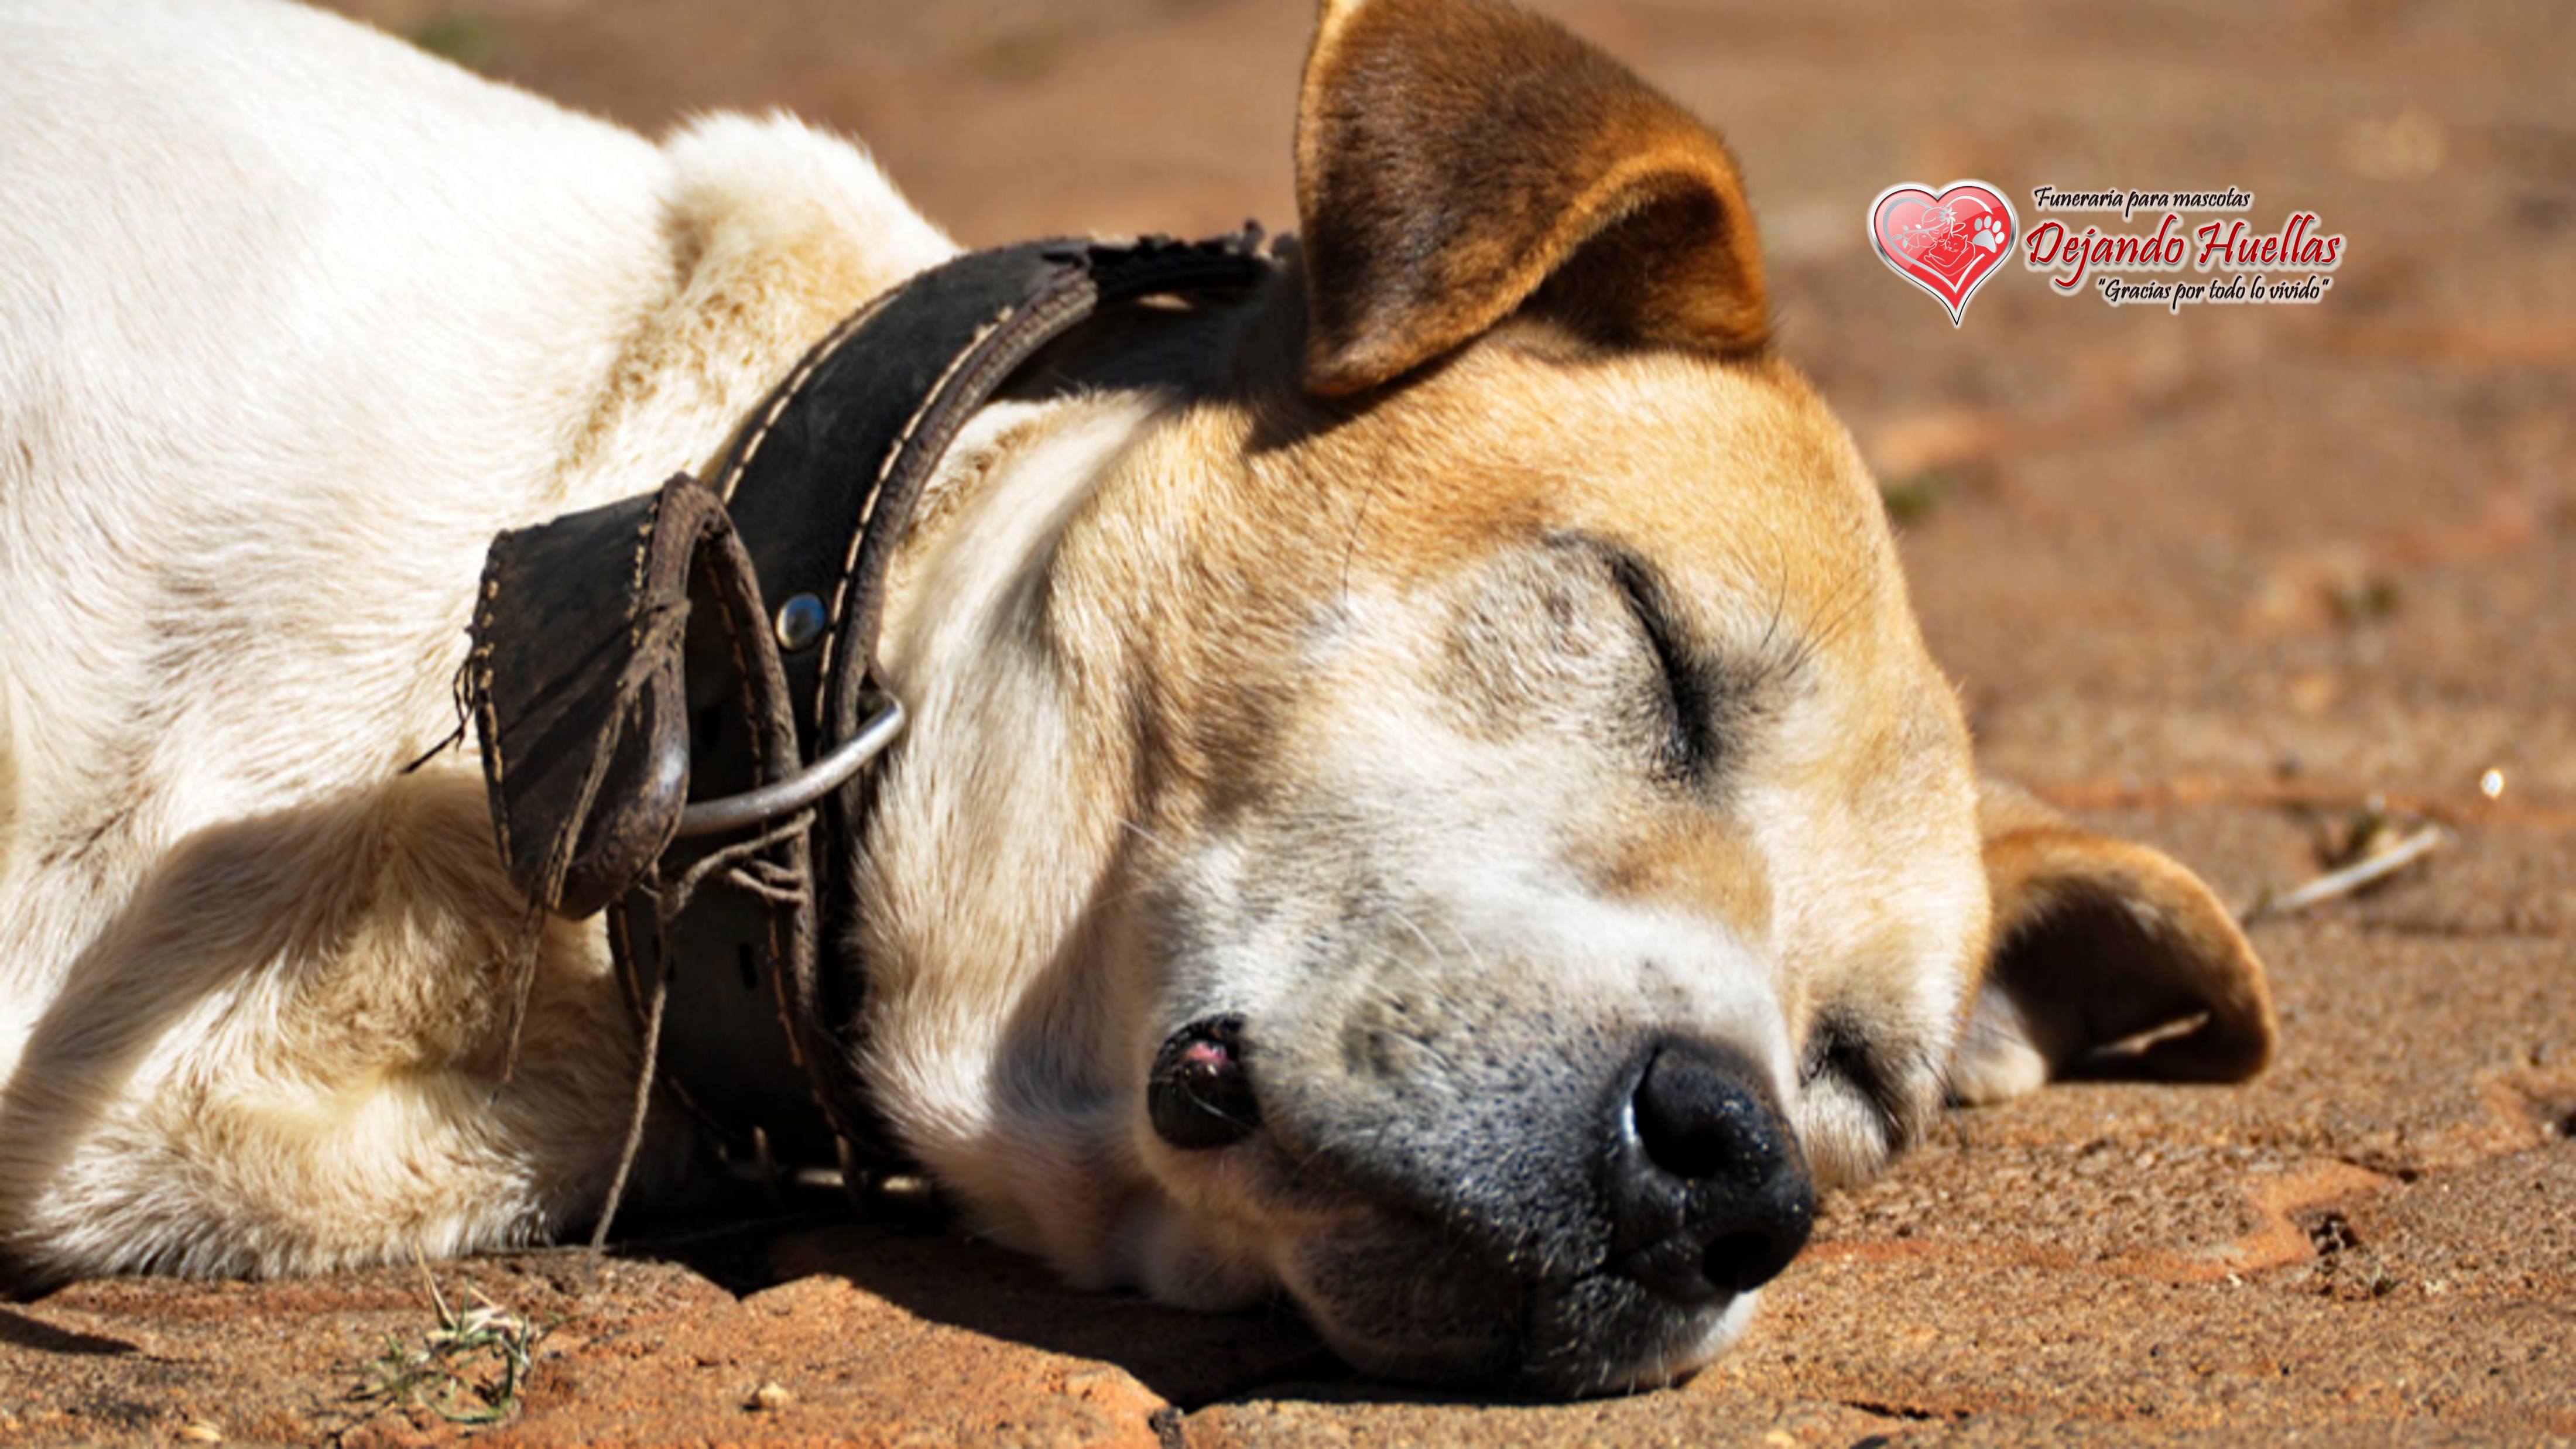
(295, 319)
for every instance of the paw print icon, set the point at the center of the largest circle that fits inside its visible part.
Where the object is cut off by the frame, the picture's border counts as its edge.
(1990, 231)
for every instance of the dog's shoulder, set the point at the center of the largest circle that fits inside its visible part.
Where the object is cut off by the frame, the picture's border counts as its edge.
(775, 231)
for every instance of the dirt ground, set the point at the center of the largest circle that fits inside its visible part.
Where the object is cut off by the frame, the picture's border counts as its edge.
(2214, 579)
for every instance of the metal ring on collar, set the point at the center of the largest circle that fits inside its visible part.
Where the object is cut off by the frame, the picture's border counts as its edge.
(785, 797)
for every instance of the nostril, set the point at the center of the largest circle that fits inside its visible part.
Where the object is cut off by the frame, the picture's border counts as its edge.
(1697, 1119)
(1727, 1258)
(1198, 1095)
(1743, 1261)
(1710, 1195)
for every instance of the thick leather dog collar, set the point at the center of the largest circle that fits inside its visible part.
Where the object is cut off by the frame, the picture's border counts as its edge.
(718, 643)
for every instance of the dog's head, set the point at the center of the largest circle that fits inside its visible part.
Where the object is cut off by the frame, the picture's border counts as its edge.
(1539, 851)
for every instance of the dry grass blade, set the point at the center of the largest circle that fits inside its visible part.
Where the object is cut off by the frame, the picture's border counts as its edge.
(468, 1369)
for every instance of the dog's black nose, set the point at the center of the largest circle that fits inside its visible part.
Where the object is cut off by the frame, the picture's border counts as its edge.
(1708, 1192)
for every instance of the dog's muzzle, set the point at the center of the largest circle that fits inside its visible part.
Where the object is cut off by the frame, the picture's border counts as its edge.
(1598, 1226)
(675, 694)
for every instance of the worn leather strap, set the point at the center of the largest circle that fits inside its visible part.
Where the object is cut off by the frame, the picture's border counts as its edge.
(578, 693)
(607, 699)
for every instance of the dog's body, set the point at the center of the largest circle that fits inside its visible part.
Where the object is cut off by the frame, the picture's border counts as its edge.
(1470, 674)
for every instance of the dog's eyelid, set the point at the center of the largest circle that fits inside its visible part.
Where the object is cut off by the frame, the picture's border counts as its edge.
(1689, 690)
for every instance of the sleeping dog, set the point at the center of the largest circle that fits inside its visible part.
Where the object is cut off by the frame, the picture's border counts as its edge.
(1423, 788)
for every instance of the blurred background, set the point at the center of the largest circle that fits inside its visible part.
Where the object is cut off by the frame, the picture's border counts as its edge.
(2234, 545)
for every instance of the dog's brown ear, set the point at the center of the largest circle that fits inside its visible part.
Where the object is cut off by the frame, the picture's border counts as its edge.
(1459, 158)
(2109, 959)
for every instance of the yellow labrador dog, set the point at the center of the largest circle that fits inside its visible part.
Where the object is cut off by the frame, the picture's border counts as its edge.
(1453, 707)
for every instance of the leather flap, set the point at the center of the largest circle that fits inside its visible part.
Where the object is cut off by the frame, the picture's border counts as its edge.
(580, 694)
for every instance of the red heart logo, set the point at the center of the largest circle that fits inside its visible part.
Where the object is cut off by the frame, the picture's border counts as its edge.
(1947, 244)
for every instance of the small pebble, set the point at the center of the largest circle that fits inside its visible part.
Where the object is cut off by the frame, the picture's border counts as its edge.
(769, 1398)
(198, 1431)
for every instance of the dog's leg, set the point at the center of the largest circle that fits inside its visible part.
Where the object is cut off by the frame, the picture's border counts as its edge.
(285, 1055)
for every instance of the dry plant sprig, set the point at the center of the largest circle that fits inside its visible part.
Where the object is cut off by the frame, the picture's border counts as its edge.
(2376, 866)
(468, 1369)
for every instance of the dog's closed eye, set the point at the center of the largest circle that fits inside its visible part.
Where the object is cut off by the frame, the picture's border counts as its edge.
(1590, 633)
(1691, 707)
(1710, 699)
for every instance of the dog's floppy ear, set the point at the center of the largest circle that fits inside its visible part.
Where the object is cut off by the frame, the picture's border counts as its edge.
(1458, 158)
(2108, 959)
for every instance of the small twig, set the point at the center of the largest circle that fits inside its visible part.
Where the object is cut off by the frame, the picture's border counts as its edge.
(438, 1300)
(2352, 877)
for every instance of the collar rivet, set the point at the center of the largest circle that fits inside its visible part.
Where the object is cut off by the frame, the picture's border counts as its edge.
(800, 623)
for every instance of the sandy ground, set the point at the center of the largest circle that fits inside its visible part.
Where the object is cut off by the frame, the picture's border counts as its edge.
(2214, 580)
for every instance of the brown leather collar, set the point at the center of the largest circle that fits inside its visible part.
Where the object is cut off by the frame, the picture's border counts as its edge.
(674, 693)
